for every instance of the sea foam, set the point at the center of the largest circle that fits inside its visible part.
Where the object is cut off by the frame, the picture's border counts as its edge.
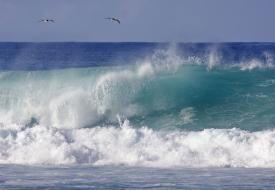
(125, 145)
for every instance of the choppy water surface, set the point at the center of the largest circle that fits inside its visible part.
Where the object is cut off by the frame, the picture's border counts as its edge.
(112, 177)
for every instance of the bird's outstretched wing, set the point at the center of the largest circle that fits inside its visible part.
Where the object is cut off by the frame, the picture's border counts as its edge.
(113, 19)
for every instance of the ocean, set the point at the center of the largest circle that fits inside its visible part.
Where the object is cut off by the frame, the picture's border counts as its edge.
(137, 115)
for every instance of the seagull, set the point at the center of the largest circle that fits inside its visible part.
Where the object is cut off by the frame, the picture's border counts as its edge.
(113, 19)
(47, 20)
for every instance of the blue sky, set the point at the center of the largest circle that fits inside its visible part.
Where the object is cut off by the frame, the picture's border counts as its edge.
(142, 20)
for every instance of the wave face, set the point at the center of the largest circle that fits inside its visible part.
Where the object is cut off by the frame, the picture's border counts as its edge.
(168, 108)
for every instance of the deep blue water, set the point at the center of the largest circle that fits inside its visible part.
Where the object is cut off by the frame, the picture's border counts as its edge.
(116, 113)
(45, 56)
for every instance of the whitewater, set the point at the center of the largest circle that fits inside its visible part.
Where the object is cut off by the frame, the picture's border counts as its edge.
(166, 108)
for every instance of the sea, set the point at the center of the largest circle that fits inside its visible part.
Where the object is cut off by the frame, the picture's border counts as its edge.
(137, 115)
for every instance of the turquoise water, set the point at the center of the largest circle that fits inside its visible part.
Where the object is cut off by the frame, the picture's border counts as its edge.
(184, 97)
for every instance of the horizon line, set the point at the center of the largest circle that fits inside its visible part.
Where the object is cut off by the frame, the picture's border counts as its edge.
(167, 42)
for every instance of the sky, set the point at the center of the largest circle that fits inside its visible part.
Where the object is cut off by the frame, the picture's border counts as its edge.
(141, 20)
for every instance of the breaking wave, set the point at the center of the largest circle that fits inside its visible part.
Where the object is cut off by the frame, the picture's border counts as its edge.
(165, 110)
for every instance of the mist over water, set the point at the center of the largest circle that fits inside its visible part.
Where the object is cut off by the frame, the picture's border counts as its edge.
(195, 105)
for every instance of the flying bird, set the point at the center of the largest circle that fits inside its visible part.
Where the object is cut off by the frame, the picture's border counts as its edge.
(113, 19)
(47, 20)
